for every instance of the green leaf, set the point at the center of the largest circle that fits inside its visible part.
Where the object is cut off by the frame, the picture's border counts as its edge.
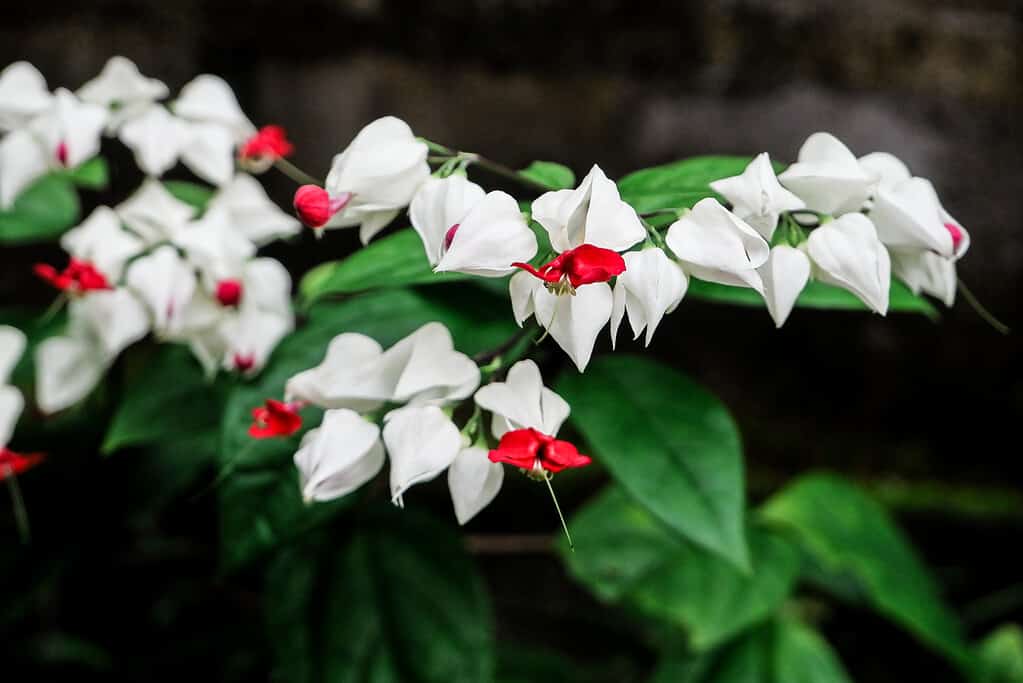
(1001, 656)
(397, 260)
(399, 602)
(555, 176)
(92, 175)
(670, 444)
(816, 295)
(168, 397)
(42, 212)
(190, 193)
(625, 555)
(784, 651)
(848, 534)
(679, 184)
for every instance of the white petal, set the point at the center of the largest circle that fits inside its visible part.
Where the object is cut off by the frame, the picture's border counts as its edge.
(166, 283)
(23, 95)
(433, 371)
(12, 346)
(209, 99)
(785, 275)
(652, 285)
(339, 456)
(101, 240)
(267, 286)
(23, 160)
(575, 321)
(156, 138)
(439, 204)
(251, 336)
(521, 288)
(491, 237)
(153, 213)
(67, 369)
(73, 124)
(474, 482)
(847, 253)
(828, 176)
(756, 195)
(348, 376)
(114, 318)
(522, 401)
(214, 246)
(887, 169)
(208, 151)
(372, 222)
(121, 85)
(383, 166)
(422, 442)
(11, 405)
(908, 215)
(252, 212)
(925, 271)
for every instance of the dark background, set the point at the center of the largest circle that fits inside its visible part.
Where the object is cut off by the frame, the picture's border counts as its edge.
(926, 415)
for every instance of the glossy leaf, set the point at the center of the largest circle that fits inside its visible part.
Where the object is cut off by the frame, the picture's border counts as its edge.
(679, 184)
(190, 193)
(42, 212)
(94, 174)
(554, 176)
(626, 556)
(670, 444)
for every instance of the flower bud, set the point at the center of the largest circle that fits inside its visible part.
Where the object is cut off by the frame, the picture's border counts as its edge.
(315, 207)
(229, 292)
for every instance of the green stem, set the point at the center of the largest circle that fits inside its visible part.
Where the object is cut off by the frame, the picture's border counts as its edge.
(488, 164)
(564, 525)
(20, 513)
(295, 173)
(985, 314)
(654, 235)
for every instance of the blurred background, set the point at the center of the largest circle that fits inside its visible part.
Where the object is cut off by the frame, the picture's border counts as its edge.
(925, 415)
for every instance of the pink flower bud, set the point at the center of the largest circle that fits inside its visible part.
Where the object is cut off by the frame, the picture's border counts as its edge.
(229, 292)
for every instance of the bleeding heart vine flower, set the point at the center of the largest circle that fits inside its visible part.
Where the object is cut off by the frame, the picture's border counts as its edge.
(70, 130)
(213, 245)
(473, 481)
(909, 216)
(339, 456)
(252, 212)
(153, 213)
(123, 90)
(785, 274)
(268, 145)
(422, 442)
(925, 271)
(77, 278)
(651, 286)
(828, 177)
(23, 95)
(714, 244)
(756, 195)
(102, 241)
(536, 453)
(275, 418)
(847, 253)
(886, 169)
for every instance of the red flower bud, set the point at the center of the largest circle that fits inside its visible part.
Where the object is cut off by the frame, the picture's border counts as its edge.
(77, 278)
(261, 150)
(275, 418)
(12, 464)
(315, 207)
(583, 265)
(229, 292)
(531, 450)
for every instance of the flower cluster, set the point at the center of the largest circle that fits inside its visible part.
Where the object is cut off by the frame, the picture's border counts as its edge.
(12, 345)
(413, 389)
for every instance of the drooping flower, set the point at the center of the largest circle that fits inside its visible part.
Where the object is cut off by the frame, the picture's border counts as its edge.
(153, 213)
(102, 241)
(756, 195)
(828, 177)
(847, 253)
(714, 244)
(208, 99)
(275, 418)
(522, 400)
(121, 88)
(651, 286)
(925, 271)
(252, 212)
(785, 274)
(473, 481)
(909, 216)
(376, 175)
(264, 148)
(537, 453)
(422, 442)
(77, 277)
(583, 265)
(250, 337)
(166, 283)
(70, 131)
(339, 456)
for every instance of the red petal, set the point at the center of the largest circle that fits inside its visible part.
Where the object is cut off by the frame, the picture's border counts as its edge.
(312, 204)
(275, 418)
(13, 464)
(560, 455)
(587, 264)
(519, 448)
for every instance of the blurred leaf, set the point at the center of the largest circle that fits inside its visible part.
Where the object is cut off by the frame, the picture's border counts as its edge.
(399, 602)
(1001, 656)
(555, 176)
(784, 651)
(670, 444)
(190, 193)
(625, 555)
(169, 397)
(533, 665)
(42, 212)
(816, 295)
(92, 175)
(849, 534)
(397, 260)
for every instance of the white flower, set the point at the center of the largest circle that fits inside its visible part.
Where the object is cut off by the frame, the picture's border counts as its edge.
(573, 321)
(714, 244)
(651, 286)
(251, 335)
(23, 95)
(101, 241)
(22, 161)
(12, 346)
(252, 212)
(828, 176)
(887, 169)
(756, 195)
(214, 246)
(473, 481)
(785, 274)
(113, 318)
(439, 204)
(71, 130)
(522, 401)
(593, 213)
(908, 215)
(156, 138)
(925, 271)
(209, 99)
(120, 87)
(356, 373)
(339, 456)
(847, 253)
(166, 283)
(422, 442)
(153, 213)
(377, 175)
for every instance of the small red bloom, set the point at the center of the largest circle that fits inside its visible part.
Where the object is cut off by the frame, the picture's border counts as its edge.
(531, 450)
(583, 265)
(956, 232)
(275, 418)
(77, 278)
(315, 207)
(268, 145)
(243, 362)
(229, 292)
(12, 464)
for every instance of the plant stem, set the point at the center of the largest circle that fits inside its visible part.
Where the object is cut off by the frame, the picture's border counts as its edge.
(20, 514)
(564, 525)
(295, 173)
(985, 314)
(502, 170)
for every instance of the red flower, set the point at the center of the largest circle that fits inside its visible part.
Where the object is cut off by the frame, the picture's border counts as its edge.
(229, 292)
(583, 265)
(275, 418)
(315, 207)
(12, 464)
(77, 278)
(531, 450)
(265, 147)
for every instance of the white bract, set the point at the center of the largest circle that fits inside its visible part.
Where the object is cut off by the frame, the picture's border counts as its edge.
(153, 213)
(252, 212)
(22, 161)
(785, 274)
(847, 253)
(23, 95)
(102, 241)
(377, 174)
(339, 456)
(213, 245)
(651, 286)
(121, 88)
(756, 195)
(828, 177)
(522, 401)
(908, 215)
(422, 442)
(12, 346)
(714, 244)
(473, 482)
(927, 272)
(886, 169)
(166, 283)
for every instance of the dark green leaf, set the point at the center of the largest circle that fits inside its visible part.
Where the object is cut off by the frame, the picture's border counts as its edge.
(625, 555)
(555, 176)
(849, 534)
(42, 212)
(92, 175)
(1001, 656)
(678, 184)
(670, 444)
(397, 260)
(400, 602)
(190, 193)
